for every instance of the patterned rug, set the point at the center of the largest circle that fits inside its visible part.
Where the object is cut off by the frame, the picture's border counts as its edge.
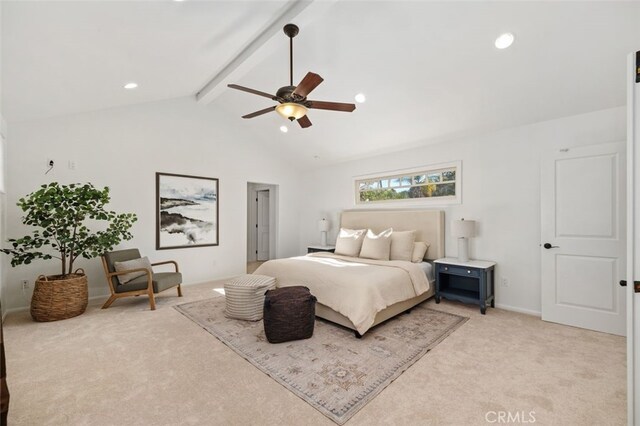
(333, 371)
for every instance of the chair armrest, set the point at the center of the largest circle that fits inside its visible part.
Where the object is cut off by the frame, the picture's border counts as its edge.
(175, 264)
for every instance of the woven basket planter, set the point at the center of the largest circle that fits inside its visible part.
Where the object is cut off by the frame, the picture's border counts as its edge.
(55, 298)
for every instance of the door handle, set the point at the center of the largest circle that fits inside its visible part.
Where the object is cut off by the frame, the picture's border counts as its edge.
(636, 285)
(549, 246)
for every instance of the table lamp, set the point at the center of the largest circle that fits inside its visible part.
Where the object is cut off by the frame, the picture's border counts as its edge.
(323, 227)
(463, 230)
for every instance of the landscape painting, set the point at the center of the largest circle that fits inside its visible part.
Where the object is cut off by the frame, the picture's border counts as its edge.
(187, 211)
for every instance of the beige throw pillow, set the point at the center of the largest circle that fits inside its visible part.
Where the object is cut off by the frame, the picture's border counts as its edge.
(377, 247)
(143, 262)
(349, 241)
(419, 250)
(402, 245)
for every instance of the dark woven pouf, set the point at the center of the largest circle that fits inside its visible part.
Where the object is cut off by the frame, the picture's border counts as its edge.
(289, 314)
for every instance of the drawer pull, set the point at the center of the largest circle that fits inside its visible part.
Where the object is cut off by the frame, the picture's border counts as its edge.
(468, 271)
(446, 269)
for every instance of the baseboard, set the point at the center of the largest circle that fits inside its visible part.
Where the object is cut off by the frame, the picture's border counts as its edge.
(26, 308)
(104, 297)
(519, 310)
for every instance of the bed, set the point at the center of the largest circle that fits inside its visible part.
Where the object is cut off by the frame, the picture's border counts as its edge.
(340, 282)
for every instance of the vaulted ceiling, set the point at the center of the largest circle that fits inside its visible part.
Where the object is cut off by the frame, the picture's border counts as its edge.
(429, 70)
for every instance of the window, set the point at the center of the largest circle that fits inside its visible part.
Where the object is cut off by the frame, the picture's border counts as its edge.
(439, 183)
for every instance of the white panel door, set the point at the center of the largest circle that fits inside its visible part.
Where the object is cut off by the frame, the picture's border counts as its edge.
(583, 238)
(263, 225)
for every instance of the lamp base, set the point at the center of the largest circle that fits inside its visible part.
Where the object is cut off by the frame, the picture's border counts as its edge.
(463, 249)
(323, 238)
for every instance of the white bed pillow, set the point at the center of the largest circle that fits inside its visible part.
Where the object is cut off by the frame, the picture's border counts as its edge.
(402, 245)
(419, 250)
(142, 262)
(378, 246)
(349, 241)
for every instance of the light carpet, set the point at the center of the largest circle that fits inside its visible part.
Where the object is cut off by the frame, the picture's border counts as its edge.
(333, 371)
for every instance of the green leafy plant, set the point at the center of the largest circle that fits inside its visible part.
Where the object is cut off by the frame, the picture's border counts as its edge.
(62, 212)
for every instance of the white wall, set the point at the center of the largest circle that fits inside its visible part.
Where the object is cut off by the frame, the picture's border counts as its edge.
(500, 189)
(123, 148)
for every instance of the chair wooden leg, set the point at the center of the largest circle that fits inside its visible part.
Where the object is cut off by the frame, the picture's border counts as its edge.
(109, 302)
(179, 290)
(152, 301)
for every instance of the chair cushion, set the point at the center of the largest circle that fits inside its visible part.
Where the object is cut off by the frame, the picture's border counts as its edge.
(161, 282)
(143, 262)
(119, 256)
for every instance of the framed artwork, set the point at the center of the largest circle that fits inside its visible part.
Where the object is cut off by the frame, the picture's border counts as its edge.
(186, 211)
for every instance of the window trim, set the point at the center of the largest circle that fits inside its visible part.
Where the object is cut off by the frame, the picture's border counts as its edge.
(426, 169)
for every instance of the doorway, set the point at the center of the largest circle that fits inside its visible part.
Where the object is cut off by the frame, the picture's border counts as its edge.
(261, 223)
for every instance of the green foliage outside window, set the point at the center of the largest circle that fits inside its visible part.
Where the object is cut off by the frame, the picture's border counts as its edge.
(435, 183)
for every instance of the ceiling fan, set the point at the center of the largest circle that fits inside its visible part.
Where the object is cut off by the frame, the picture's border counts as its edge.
(293, 102)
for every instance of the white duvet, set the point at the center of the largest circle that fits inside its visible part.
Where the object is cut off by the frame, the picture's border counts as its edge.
(356, 288)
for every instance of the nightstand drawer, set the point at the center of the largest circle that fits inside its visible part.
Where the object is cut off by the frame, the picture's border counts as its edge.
(460, 270)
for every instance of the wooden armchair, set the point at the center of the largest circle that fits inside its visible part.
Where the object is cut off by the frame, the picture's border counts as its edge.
(145, 281)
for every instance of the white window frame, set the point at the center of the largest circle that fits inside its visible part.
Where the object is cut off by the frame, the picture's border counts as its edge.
(430, 168)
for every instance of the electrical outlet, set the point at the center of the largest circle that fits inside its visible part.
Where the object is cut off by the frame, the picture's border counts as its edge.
(72, 165)
(25, 284)
(505, 282)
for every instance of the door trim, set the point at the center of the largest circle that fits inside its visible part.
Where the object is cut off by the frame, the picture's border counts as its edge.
(633, 404)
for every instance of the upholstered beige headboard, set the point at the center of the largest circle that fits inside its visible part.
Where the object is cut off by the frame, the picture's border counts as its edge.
(429, 225)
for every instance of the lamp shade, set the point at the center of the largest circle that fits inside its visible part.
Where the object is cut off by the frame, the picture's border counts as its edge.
(323, 225)
(463, 228)
(291, 110)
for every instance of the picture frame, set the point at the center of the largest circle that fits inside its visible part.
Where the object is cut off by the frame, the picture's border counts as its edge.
(187, 211)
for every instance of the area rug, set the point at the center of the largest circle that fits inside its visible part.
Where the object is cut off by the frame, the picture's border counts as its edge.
(332, 371)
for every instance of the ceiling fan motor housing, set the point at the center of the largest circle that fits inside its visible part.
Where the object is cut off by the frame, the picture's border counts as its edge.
(286, 93)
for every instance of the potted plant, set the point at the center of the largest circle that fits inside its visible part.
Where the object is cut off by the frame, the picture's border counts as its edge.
(62, 214)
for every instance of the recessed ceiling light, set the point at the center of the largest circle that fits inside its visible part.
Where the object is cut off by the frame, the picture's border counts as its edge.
(504, 40)
(131, 85)
(361, 98)
(284, 129)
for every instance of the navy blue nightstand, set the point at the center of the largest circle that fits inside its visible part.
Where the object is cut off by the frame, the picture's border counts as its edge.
(468, 282)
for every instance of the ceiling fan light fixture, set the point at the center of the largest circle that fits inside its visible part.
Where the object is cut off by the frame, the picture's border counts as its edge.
(291, 110)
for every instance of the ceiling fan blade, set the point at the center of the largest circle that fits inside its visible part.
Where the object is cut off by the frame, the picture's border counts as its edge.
(257, 113)
(308, 83)
(304, 122)
(255, 92)
(332, 106)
